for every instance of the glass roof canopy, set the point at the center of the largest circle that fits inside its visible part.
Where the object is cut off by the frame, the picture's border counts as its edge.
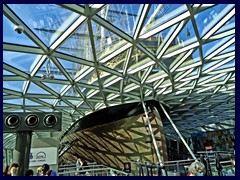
(77, 59)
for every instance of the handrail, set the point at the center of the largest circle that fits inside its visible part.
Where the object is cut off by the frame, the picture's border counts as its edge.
(94, 169)
(74, 166)
(176, 161)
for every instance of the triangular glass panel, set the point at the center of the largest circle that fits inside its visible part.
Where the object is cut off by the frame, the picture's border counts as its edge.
(230, 25)
(114, 102)
(117, 62)
(210, 64)
(14, 85)
(156, 74)
(215, 45)
(193, 74)
(111, 81)
(175, 62)
(228, 49)
(84, 106)
(94, 101)
(103, 75)
(35, 89)
(71, 67)
(122, 16)
(192, 61)
(58, 88)
(112, 97)
(49, 101)
(179, 86)
(106, 42)
(147, 92)
(160, 14)
(166, 83)
(78, 44)
(139, 61)
(86, 74)
(131, 88)
(177, 76)
(207, 19)
(72, 92)
(17, 101)
(11, 36)
(127, 98)
(207, 77)
(47, 21)
(62, 104)
(94, 94)
(84, 88)
(32, 103)
(155, 43)
(186, 37)
(230, 64)
(50, 71)
(21, 61)
(74, 102)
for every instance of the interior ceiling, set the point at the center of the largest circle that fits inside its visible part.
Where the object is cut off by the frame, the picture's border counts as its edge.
(80, 58)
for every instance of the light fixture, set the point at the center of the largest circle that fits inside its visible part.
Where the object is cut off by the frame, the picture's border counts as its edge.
(188, 33)
(48, 74)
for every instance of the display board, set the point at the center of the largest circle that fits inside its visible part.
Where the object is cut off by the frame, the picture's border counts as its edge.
(40, 156)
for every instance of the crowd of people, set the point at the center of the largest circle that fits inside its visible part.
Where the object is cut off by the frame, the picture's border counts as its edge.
(197, 168)
(44, 170)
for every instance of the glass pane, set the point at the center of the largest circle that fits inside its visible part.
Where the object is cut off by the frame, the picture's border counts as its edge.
(162, 13)
(47, 21)
(207, 19)
(122, 16)
(21, 61)
(11, 36)
(105, 41)
(14, 85)
(78, 44)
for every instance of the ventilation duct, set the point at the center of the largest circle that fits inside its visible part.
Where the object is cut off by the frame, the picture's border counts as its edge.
(13, 122)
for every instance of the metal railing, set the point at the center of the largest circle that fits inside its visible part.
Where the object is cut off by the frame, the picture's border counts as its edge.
(92, 169)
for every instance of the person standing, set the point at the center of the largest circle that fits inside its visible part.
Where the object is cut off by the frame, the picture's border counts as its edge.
(29, 172)
(205, 161)
(80, 165)
(13, 169)
(218, 164)
(39, 171)
(47, 171)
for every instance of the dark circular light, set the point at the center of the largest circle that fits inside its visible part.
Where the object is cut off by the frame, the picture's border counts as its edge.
(32, 120)
(50, 120)
(12, 121)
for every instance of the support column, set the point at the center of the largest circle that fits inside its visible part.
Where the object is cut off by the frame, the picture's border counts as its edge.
(154, 140)
(22, 151)
(161, 135)
(178, 132)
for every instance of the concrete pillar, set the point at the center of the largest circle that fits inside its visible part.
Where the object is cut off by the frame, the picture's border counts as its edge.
(22, 151)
